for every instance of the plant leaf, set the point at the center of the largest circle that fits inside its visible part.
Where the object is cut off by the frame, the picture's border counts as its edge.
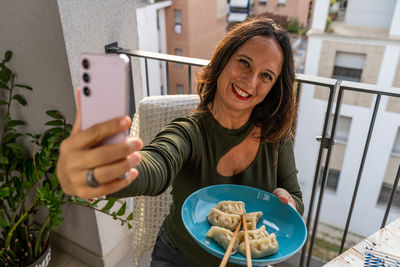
(109, 204)
(15, 123)
(4, 75)
(54, 123)
(23, 86)
(7, 56)
(55, 114)
(3, 103)
(3, 86)
(20, 99)
(4, 223)
(4, 192)
(130, 217)
(121, 210)
(3, 159)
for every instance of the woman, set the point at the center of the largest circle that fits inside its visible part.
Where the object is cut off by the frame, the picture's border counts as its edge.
(241, 133)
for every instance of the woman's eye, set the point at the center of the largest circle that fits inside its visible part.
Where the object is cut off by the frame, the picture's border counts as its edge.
(244, 63)
(267, 76)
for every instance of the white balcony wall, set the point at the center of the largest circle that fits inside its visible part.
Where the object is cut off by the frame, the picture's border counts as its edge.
(152, 39)
(320, 14)
(370, 13)
(87, 26)
(395, 26)
(47, 38)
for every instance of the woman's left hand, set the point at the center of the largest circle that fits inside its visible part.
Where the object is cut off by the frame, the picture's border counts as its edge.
(284, 196)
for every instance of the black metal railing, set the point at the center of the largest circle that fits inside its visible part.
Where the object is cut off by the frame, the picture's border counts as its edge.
(335, 87)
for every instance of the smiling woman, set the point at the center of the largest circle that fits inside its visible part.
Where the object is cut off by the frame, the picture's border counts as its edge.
(241, 133)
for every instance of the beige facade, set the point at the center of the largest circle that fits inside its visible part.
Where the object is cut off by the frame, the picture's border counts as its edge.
(391, 170)
(203, 25)
(292, 9)
(394, 102)
(336, 160)
(373, 61)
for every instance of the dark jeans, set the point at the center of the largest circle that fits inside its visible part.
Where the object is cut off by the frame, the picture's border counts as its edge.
(165, 254)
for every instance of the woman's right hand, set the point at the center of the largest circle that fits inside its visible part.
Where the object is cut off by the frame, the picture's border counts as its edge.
(78, 155)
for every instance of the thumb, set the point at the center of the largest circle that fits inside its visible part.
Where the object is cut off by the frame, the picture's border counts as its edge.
(284, 197)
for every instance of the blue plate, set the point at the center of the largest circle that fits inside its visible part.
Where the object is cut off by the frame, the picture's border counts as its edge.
(278, 218)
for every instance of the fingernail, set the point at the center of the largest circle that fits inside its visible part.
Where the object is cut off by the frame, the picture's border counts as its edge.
(124, 122)
(132, 143)
(132, 161)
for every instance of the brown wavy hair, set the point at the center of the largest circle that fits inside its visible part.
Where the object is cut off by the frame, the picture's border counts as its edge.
(275, 115)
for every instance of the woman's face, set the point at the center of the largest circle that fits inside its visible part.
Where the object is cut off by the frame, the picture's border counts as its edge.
(249, 75)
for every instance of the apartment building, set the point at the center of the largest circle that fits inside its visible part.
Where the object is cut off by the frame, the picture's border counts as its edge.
(189, 28)
(362, 45)
(291, 9)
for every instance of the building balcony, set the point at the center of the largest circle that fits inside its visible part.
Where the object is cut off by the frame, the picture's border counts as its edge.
(341, 29)
(319, 186)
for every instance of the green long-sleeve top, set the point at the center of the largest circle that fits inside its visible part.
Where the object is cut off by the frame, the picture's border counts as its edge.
(186, 154)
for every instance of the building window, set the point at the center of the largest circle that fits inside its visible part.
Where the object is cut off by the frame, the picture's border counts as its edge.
(239, 6)
(332, 179)
(179, 89)
(348, 66)
(178, 52)
(396, 145)
(384, 195)
(262, 2)
(178, 20)
(342, 128)
(281, 2)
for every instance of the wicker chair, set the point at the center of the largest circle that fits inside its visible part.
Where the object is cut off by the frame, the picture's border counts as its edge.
(153, 113)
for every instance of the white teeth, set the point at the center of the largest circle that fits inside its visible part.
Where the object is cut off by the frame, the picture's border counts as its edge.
(240, 92)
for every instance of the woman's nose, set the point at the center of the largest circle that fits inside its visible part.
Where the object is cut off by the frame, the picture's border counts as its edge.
(251, 81)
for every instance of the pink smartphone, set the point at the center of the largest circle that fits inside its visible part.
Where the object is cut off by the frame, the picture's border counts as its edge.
(104, 82)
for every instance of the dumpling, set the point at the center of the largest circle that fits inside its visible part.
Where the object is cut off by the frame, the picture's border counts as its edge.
(223, 219)
(261, 243)
(231, 207)
(252, 219)
(223, 237)
(259, 233)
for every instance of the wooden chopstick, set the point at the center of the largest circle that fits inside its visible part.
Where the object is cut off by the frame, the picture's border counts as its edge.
(230, 246)
(246, 240)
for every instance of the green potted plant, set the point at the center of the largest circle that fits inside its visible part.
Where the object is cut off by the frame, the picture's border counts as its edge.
(28, 180)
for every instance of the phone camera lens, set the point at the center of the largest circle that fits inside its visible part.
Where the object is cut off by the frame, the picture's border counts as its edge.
(85, 63)
(86, 91)
(86, 77)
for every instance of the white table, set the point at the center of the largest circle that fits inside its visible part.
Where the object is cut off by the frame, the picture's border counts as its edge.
(387, 239)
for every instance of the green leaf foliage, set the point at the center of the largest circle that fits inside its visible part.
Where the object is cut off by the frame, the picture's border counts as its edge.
(23, 86)
(55, 114)
(20, 99)
(4, 223)
(130, 216)
(7, 56)
(13, 123)
(55, 123)
(4, 75)
(3, 159)
(121, 210)
(28, 178)
(4, 86)
(109, 205)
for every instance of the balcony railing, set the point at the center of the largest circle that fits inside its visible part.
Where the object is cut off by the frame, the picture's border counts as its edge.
(336, 89)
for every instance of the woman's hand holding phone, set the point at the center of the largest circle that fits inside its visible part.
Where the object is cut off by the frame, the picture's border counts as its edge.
(79, 153)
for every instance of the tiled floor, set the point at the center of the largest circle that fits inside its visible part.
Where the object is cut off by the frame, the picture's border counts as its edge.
(61, 259)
